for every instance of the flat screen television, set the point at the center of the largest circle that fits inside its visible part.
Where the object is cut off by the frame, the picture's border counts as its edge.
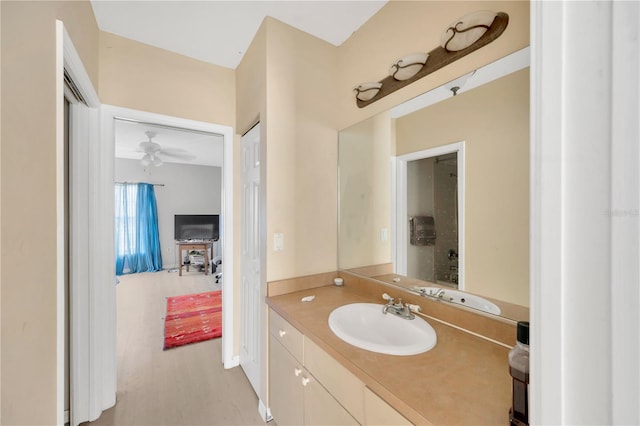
(196, 227)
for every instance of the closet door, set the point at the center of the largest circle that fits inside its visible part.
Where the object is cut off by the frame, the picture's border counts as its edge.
(253, 313)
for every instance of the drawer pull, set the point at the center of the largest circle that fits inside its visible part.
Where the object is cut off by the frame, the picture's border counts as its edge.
(282, 333)
(297, 371)
(305, 381)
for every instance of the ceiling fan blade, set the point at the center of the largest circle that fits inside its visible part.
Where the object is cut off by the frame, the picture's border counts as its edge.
(178, 155)
(150, 147)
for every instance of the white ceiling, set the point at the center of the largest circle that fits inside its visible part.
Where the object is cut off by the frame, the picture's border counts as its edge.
(204, 149)
(219, 32)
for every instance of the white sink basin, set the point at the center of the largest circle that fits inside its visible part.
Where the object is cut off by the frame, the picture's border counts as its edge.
(461, 298)
(365, 326)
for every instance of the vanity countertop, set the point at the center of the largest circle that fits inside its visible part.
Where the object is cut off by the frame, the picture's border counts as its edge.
(463, 380)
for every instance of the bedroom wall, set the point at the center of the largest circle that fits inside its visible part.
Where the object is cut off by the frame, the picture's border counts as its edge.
(188, 189)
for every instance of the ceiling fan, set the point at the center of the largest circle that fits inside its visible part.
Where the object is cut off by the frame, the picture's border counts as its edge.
(153, 152)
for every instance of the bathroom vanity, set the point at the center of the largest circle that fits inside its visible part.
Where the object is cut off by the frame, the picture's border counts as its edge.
(316, 378)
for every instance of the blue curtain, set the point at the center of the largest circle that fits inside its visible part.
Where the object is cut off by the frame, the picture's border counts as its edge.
(137, 236)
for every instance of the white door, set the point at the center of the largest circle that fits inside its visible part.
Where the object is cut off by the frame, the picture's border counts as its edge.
(250, 304)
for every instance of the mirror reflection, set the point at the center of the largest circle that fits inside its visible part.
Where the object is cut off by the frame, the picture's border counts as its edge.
(438, 197)
(432, 192)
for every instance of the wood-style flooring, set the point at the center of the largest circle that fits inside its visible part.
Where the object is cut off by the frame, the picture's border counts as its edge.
(181, 386)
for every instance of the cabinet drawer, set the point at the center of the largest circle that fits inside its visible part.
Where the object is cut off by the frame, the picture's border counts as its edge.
(340, 382)
(286, 334)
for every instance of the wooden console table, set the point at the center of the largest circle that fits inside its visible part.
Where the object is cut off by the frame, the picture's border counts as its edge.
(194, 245)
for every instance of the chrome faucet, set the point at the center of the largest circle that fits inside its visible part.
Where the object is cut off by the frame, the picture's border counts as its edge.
(439, 293)
(398, 308)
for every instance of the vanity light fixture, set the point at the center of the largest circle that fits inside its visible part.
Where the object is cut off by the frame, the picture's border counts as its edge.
(367, 91)
(408, 66)
(463, 36)
(465, 31)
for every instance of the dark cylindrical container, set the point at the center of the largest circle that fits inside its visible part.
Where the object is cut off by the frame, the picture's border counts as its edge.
(519, 370)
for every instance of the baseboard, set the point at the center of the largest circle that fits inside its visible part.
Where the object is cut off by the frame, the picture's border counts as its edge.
(265, 413)
(67, 418)
(231, 363)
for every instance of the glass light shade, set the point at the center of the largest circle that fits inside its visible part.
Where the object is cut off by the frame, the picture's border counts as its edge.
(465, 31)
(367, 91)
(146, 160)
(408, 66)
(156, 161)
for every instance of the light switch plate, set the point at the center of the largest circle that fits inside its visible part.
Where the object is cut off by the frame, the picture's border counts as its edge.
(278, 241)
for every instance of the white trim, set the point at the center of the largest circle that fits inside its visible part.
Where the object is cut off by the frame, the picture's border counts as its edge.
(110, 113)
(625, 250)
(585, 188)
(102, 276)
(79, 244)
(75, 68)
(229, 359)
(486, 74)
(400, 212)
(90, 394)
(265, 413)
(60, 227)
(394, 212)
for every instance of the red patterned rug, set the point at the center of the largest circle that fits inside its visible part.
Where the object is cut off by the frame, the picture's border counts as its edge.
(193, 318)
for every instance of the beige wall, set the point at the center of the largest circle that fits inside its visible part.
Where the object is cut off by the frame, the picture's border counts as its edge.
(365, 187)
(493, 120)
(403, 27)
(301, 150)
(303, 95)
(142, 77)
(286, 81)
(28, 199)
(251, 85)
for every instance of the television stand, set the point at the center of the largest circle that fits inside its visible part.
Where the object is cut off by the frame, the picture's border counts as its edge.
(194, 245)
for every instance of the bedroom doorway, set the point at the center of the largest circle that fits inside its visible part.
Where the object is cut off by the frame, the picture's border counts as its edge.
(106, 316)
(196, 129)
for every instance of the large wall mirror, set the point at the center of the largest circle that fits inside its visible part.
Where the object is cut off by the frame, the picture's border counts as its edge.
(434, 194)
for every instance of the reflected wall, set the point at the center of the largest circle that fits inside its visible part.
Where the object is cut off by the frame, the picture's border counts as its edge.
(493, 120)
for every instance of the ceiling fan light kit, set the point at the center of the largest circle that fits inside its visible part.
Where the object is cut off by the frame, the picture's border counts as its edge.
(153, 151)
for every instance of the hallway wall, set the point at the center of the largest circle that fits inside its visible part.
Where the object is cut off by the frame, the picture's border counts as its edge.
(30, 109)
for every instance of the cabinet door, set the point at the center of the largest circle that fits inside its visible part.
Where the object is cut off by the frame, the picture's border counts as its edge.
(320, 408)
(285, 386)
(378, 412)
(336, 379)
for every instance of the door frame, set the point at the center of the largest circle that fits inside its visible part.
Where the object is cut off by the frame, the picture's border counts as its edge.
(109, 114)
(399, 216)
(89, 394)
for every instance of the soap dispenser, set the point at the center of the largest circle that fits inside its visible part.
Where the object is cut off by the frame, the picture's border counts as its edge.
(519, 370)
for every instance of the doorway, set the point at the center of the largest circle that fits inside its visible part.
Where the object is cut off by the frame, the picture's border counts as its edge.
(109, 116)
(430, 215)
(432, 207)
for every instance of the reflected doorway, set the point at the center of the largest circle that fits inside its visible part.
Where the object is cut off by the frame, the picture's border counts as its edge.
(432, 206)
(429, 224)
